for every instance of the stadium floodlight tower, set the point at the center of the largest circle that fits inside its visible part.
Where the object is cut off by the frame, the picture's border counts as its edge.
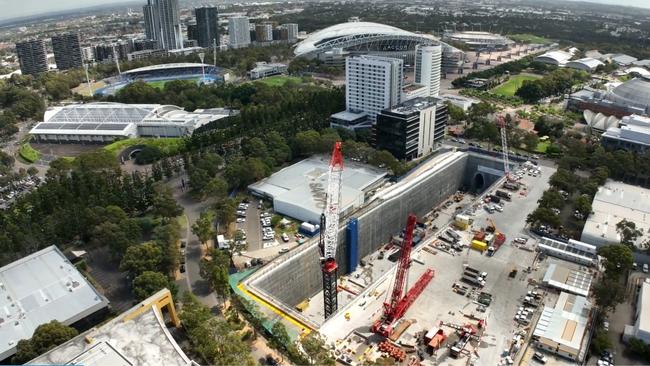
(329, 232)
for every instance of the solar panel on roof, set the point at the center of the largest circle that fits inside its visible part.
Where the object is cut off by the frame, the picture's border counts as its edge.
(69, 126)
(48, 126)
(88, 126)
(113, 126)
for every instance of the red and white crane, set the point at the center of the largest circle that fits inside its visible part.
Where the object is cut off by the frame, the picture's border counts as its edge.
(329, 232)
(401, 299)
(501, 122)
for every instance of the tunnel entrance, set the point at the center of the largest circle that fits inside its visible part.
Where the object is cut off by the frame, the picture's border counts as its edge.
(478, 185)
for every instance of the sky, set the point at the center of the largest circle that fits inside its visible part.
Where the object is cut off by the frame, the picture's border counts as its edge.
(20, 8)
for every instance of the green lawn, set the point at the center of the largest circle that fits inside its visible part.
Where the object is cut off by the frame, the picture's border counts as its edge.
(279, 80)
(28, 153)
(542, 146)
(528, 38)
(509, 88)
(166, 145)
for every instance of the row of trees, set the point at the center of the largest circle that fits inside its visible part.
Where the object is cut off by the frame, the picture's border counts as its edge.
(512, 67)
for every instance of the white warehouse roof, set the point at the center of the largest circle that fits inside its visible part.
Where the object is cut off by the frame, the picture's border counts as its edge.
(614, 202)
(39, 288)
(586, 64)
(554, 57)
(118, 119)
(299, 190)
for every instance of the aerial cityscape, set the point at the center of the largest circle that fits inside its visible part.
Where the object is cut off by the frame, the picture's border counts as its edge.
(409, 182)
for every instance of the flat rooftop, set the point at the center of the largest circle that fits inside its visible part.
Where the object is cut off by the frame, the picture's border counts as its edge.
(614, 202)
(569, 280)
(415, 105)
(564, 326)
(135, 337)
(39, 288)
(299, 190)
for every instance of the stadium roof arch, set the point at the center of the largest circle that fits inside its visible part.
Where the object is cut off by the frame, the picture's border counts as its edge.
(178, 65)
(351, 34)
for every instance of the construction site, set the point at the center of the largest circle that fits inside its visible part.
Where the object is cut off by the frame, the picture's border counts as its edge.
(430, 270)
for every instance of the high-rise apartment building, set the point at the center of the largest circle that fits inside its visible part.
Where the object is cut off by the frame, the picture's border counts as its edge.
(428, 61)
(207, 26)
(374, 83)
(239, 32)
(162, 23)
(150, 25)
(263, 32)
(292, 31)
(412, 128)
(32, 56)
(67, 51)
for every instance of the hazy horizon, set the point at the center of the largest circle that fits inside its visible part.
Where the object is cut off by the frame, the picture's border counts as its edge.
(36, 7)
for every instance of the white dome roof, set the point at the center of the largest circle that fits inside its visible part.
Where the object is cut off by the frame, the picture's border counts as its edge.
(350, 29)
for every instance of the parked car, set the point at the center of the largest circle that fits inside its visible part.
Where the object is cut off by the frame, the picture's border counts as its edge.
(645, 267)
(283, 250)
(285, 237)
(182, 268)
(539, 357)
(183, 243)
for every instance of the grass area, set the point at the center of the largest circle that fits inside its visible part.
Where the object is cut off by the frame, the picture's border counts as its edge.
(542, 146)
(509, 88)
(28, 153)
(279, 80)
(166, 145)
(528, 38)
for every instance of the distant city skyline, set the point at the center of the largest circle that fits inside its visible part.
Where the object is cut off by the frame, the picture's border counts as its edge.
(37, 7)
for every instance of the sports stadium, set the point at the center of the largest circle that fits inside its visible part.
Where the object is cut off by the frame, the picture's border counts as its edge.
(365, 38)
(158, 75)
(479, 40)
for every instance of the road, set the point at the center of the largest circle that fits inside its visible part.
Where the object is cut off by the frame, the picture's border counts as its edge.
(191, 280)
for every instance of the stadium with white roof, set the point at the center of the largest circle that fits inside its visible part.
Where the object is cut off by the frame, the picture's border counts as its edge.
(479, 40)
(107, 122)
(363, 38)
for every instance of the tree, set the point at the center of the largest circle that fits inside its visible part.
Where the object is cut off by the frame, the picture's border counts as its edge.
(254, 147)
(226, 211)
(117, 236)
(149, 282)
(628, 232)
(281, 339)
(306, 142)
(141, 258)
(583, 205)
(317, 353)
(203, 227)
(565, 180)
(148, 155)
(543, 215)
(216, 188)
(618, 259)
(609, 292)
(600, 342)
(551, 198)
(215, 270)
(46, 336)
(531, 140)
(164, 204)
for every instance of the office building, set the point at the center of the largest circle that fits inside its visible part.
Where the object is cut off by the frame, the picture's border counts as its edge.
(412, 128)
(292, 31)
(374, 83)
(427, 68)
(169, 20)
(192, 32)
(162, 23)
(32, 56)
(263, 32)
(88, 54)
(150, 25)
(239, 32)
(67, 51)
(207, 26)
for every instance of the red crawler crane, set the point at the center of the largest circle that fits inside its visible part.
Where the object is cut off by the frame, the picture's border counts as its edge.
(395, 309)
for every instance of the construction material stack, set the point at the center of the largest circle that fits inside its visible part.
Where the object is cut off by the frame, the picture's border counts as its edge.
(399, 302)
(329, 232)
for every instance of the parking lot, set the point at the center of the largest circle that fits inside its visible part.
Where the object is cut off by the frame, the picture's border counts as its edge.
(263, 242)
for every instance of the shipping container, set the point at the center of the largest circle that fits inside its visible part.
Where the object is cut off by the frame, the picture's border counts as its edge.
(462, 221)
(504, 194)
(309, 229)
(479, 245)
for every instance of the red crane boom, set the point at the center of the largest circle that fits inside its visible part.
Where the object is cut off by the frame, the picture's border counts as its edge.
(399, 304)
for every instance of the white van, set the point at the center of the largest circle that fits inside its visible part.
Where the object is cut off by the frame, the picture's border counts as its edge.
(285, 237)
